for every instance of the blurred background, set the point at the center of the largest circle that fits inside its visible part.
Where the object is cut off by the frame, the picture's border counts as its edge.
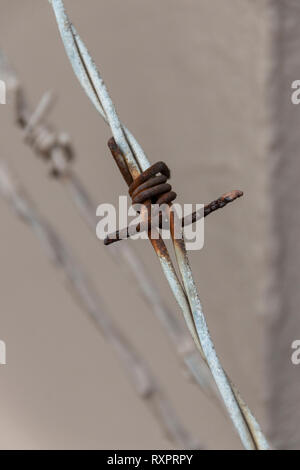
(205, 86)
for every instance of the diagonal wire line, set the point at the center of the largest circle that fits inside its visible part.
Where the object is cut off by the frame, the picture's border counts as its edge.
(185, 292)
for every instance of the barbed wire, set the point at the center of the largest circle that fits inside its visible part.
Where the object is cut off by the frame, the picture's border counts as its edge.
(55, 147)
(185, 292)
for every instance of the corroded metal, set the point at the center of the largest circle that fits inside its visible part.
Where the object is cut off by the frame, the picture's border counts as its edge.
(151, 186)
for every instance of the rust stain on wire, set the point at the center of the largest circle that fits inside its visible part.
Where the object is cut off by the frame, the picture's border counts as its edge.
(151, 187)
(119, 159)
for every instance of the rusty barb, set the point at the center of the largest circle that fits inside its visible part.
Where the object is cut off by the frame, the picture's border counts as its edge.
(183, 288)
(153, 187)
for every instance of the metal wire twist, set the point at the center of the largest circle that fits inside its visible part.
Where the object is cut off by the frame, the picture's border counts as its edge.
(152, 189)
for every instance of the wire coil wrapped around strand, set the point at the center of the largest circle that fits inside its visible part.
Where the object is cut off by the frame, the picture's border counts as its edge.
(150, 188)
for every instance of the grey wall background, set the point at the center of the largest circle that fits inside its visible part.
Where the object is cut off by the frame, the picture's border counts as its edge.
(283, 305)
(190, 79)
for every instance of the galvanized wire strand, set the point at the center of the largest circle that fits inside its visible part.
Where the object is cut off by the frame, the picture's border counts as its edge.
(207, 346)
(85, 293)
(249, 435)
